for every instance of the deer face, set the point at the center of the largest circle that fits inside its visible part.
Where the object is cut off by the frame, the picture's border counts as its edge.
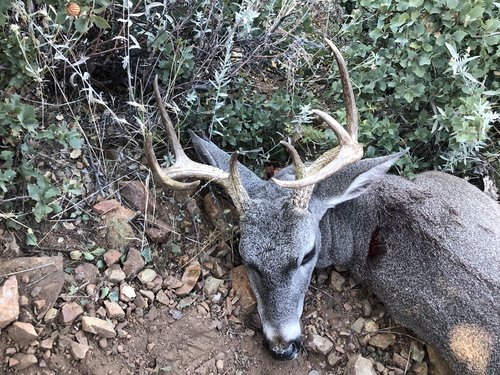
(279, 249)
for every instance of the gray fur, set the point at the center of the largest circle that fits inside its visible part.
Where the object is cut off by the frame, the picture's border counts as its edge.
(436, 265)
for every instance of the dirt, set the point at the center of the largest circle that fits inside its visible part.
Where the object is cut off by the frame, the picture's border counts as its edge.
(210, 335)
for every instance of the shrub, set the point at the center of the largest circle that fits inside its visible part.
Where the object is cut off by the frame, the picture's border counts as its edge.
(426, 76)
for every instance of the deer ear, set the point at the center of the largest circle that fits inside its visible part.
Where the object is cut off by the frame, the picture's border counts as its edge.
(362, 176)
(210, 154)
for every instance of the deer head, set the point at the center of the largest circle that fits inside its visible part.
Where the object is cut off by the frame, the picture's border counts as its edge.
(279, 220)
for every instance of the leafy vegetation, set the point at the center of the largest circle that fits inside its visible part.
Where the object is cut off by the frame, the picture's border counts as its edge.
(77, 81)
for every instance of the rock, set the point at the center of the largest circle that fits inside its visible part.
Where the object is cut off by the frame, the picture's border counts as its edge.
(77, 350)
(76, 255)
(39, 304)
(371, 326)
(212, 285)
(152, 314)
(318, 344)
(114, 310)
(438, 366)
(50, 315)
(333, 359)
(134, 263)
(141, 302)
(367, 308)
(158, 235)
(120, 234)
(10, 351)
(23, 300)
(9, 302)
(382, 340)
(241, 287)
(47, 343)
(112, 257)
(148, 294)
(358, 325)
(115, 274)
(206, 368)
(86, 273)
(106, 206)
(219, 211)
(70, 311)
(146, 275)
(220, 366)
(358, 365)
(162, 298)
(172, 282)
(314, 372)
(189, 279)
(400, 361)
(127, 293)
(337, 281)
(99, 327)
(22, 333)
(103, 343)
(136, 195)
(420, 369)
(192, 206)
(46, 271)
(218, 271)
(24, 361)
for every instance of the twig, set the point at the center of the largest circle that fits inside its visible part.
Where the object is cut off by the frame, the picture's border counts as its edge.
(27, 270)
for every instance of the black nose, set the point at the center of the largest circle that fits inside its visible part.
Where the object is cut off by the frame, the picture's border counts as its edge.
(291, 352)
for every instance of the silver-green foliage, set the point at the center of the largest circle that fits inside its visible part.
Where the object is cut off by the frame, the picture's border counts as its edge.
(426, 76)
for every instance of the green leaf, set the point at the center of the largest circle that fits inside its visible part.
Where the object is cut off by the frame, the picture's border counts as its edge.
(113, 296)
(82, 25)
(476, 13)
(452, 4)
(103, 292)
(31, 238)
(88, 256)
(416, 3)
(146, 254)
(419, 71)
(98, 251)
(100, 22)
(459, 35)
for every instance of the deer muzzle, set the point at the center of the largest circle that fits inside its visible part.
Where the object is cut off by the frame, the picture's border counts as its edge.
(283, 351)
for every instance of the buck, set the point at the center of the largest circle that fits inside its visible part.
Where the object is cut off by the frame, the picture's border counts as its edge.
(428, 248)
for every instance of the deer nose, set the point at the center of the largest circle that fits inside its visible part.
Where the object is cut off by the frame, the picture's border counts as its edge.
(286, 352)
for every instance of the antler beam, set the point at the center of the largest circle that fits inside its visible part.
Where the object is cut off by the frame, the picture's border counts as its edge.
(185, 168)
(348, 151)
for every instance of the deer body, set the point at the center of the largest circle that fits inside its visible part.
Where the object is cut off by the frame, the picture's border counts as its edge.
(429, 248)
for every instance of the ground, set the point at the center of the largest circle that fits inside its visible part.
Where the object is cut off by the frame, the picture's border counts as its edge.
(203, 332)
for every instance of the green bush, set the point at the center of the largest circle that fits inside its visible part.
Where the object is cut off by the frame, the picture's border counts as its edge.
(426, 76)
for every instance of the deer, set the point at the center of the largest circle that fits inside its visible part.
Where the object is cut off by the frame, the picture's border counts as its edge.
(429, 248)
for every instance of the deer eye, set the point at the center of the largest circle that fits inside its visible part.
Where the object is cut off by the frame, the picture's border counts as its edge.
(308, 257)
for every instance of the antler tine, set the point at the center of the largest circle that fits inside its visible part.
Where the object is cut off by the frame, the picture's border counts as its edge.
(176, 145)
(234, 187)
(349, 150)
(298, 166)
(187, 168)
(350, 102)
(159, 173)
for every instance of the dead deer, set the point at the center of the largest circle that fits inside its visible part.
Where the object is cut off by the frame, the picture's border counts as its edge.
(428, 248)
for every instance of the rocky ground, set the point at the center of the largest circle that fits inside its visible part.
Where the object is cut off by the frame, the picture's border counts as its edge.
(152, 285)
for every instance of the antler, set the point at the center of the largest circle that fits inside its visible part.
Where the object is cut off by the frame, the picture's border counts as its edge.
(187, 168)
(348, 151)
